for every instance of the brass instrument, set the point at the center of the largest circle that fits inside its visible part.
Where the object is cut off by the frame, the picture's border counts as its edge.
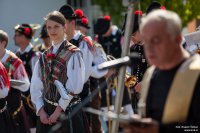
(130, 80)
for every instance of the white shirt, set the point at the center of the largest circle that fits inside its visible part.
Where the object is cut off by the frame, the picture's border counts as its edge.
(19, 74)
(88, 58)
(74, 84)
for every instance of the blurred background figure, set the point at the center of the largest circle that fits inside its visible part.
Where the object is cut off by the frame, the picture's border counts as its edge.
(28, 55)
(82, 23)
(109, 36)
(16, 71)
(46, 42)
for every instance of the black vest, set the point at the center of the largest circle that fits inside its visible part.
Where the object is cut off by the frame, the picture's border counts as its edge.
(139, 68)
(26, 59)
(112, 44)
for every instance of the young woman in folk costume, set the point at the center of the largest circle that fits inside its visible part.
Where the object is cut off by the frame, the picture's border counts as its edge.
(16, 71)
(5, 118)
(58, 78)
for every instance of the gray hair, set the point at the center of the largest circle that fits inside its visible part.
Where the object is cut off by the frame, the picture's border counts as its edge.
(171, 19)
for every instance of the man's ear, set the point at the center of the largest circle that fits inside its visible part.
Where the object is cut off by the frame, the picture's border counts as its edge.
(178, 38)
(74, 22)
(65, 26)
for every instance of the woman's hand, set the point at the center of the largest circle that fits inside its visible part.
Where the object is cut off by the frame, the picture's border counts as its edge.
(54, 117)
(44, 117)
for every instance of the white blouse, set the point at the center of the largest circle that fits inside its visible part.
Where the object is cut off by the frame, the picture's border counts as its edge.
(89, 58)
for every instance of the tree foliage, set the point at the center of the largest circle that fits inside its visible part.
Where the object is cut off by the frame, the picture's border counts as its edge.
(187, 9)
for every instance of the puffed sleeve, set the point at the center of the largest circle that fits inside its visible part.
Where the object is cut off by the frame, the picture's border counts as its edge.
(20, 74)
(76, 78)
(36, 88)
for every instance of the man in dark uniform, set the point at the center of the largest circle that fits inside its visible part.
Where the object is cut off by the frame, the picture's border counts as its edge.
(26, 52)
(170, 88)
(139, 68)
(109, 36)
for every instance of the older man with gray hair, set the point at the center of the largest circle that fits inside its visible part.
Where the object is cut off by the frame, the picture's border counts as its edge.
(171, 86)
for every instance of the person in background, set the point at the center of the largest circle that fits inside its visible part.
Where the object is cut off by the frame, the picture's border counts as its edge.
(45, 39)
(6, 121)
(28, 55)
(16, 71)
(82, 23)
(139, 68)
(109, 36)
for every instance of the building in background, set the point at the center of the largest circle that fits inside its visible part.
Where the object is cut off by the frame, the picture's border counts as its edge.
(13, 12)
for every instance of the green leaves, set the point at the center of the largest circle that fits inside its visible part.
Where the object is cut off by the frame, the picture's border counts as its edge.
(187, 9)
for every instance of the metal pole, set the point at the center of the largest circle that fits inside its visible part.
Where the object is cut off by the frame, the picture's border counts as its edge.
(120, 86)
(89, 13)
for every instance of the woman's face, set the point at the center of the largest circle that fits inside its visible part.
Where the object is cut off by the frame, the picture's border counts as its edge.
(56, 31)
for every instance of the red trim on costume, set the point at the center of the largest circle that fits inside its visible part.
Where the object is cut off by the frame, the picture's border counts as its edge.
(4, 77)
(85, 38)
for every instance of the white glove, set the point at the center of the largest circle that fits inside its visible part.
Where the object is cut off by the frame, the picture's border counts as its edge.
(64, 103)
(61, 89)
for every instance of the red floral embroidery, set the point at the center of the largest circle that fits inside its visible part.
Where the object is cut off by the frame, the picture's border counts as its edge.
(27, 31)
(107, 18)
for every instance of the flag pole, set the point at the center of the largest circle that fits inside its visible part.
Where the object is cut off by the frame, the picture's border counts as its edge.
(121, 76)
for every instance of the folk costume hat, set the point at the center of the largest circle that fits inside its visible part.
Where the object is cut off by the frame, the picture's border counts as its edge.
(43, 33)
(81, 19)
(68, 12)
(136, 21)
(153, 6)
(102, 25)
(24, 29)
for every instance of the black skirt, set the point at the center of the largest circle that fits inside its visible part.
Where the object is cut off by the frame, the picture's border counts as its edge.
(31, 115)
(6, 122)
(20, 118)
(74, 125)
